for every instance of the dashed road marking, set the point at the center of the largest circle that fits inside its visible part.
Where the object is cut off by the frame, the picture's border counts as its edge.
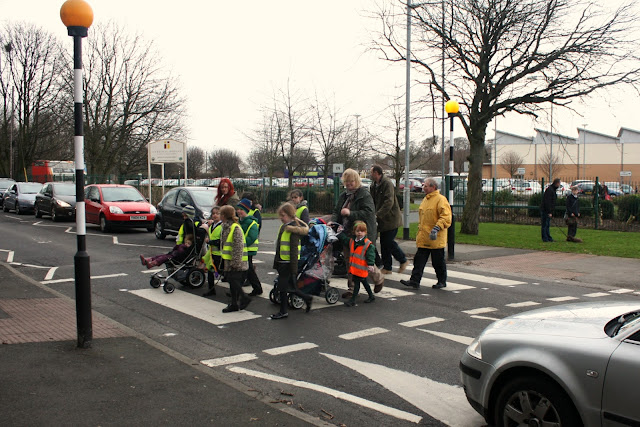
(290, 348)
(451, 337)
(596, 295)
(523, 304)
(621, 291)
(363, 333)
(480, 310)
(106, 276)
(421, 322)
(229, 360)
(560, 299)
(493, 319)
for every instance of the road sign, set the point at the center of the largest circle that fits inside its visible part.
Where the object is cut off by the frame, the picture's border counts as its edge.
(521, 171)
(338, 168)
(625, 173)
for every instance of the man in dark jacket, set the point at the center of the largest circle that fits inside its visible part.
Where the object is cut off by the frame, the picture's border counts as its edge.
(546, 209)
(389, 219)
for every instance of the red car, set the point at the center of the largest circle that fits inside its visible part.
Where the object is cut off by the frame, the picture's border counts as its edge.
(114, 205)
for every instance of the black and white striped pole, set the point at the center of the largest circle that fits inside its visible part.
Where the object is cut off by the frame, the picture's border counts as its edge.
(452, 108)
(77, 16)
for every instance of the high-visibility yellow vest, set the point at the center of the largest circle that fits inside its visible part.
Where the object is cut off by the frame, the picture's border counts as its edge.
(252, 212)
(299, 211)
(285, 246)
(180, 238)
(254, 246)
(227, 248)
(214, 234)
(358, 259)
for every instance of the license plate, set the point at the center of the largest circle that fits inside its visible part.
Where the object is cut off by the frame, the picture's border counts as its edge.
(138, 217)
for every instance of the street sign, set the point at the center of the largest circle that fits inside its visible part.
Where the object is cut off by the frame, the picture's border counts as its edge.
(521, 171)
(338, 168)
(625, 173)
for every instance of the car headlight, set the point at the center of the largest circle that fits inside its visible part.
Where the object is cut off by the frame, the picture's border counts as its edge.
(475, 349)
(153, 209)
(62, 204)
(115, 210)
(206, 215)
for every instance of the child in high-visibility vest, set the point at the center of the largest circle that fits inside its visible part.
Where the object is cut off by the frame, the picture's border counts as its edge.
(212, 260)
(361, 261)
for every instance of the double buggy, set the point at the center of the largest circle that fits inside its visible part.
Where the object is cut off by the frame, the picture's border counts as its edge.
(315, 267)
(183, 271)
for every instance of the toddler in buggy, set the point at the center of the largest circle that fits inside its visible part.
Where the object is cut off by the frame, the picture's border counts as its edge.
(184, 270)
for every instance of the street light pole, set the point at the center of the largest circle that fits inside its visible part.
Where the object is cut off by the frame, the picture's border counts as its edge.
(452, 108)
(77, 16)
(405, 198)
(7, 48)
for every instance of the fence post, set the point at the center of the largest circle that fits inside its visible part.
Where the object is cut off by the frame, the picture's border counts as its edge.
(596, 190)
(493, 202)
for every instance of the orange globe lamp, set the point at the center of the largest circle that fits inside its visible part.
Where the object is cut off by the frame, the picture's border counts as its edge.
(76, 14)
(452, 107)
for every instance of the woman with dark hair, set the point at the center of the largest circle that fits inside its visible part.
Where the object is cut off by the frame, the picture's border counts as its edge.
(226, 194)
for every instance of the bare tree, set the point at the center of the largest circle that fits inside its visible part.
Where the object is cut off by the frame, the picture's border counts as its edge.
(512, 56)
(225, 162)
(130, 101)
(196, 160)
(550, 164)
(329, 129)
(511, 162)
(267, 140)
(460, 154)
(33, 102)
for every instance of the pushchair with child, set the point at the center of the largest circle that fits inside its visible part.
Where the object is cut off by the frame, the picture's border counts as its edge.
(183, 271)
(315, 266)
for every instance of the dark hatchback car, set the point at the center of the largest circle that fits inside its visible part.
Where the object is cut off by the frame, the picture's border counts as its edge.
(56, 199)
(169, 216)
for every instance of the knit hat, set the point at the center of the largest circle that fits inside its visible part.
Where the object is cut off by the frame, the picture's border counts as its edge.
(190, 211)
(245, 205)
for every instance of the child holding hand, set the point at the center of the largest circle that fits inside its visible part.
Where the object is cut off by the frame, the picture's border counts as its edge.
(361, 261)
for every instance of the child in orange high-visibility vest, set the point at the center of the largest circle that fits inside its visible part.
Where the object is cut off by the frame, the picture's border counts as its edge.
(361, 260)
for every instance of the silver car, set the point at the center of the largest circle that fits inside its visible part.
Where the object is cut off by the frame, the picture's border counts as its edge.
(568, 365)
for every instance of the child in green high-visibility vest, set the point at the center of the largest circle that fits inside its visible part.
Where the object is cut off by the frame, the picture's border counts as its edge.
(212, 260)
(286, 259)
(302, 210)
(234, 257)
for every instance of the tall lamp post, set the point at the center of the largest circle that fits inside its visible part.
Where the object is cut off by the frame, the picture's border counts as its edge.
(77, 16)
(452, 108)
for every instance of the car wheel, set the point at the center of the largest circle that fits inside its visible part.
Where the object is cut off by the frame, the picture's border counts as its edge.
(534, 401)
(54, 217)
(104, 224)
(5, 208)
(18, 210)
(159, 231)
(37, 212)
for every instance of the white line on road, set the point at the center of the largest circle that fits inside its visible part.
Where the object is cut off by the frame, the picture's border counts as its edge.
(480, 310)
(560, 299)
(50, 273)
(456, 338)
(396, 413)
(523, 304)
(596, 295)
(493, 319)
(421, 322)
(363, 333)
(10, 256)
(106, 276)
(229, 360)
(194, 305)
(290, 348)
(621, 291)
(443, 402)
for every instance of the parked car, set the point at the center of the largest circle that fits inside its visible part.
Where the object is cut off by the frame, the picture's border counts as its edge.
(116, 205)
(585, 188)
(525, 188)
(20, 197)
(567, 365)
(169, 214)
(563, 189)
(414, 184)
(56, 199)
(627, 189)
(5, 183)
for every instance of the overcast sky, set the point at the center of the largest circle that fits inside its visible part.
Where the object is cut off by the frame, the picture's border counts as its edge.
(231, 56)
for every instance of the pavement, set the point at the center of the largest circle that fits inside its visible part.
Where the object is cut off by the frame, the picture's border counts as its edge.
(47, 380)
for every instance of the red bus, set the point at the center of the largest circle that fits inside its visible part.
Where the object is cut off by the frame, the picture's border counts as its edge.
(52, 170)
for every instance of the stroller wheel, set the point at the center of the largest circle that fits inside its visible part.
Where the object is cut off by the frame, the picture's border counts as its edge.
(295, 301)
(155, 282)
(274, 296)
(169, 288)
(195, 279)
(332, 295)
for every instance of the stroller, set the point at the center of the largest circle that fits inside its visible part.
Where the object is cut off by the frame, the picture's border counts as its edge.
(315, 266)
(184, 271)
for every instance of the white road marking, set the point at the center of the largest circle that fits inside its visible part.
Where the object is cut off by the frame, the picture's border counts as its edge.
(493, 319)
(456, 338)
(290, 348)
(596, 295)
(421, 322)
(229, 360)
(523, 304)
(36, 266)
(194, 305)
(443, 402)
(152, 271)
(106, 276)
(10, 256)
(396, 413)
(621, 291)
(363, 333)
(50, 273)
(462, 275)
(560, 299)
(450, 286)
(480, 310)
(386, 292)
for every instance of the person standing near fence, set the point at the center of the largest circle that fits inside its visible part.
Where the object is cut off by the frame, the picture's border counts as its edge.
(572, 215)
(546, 209)
(389, 220)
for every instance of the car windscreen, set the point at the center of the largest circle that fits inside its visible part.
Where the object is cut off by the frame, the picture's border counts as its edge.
(121, 194)
(29, 188)
(65, 189)
(204, 199)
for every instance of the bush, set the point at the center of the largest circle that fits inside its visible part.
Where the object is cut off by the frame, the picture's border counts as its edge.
(502, 197)
(606, 207)
(628, 206)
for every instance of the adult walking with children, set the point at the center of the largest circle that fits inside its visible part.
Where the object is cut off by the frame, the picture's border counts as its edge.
(434, 219)
(389, 220)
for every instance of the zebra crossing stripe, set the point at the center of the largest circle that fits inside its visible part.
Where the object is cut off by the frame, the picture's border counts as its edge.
(363, 333)
(421, 322)
(229, 360)
(290, 348)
